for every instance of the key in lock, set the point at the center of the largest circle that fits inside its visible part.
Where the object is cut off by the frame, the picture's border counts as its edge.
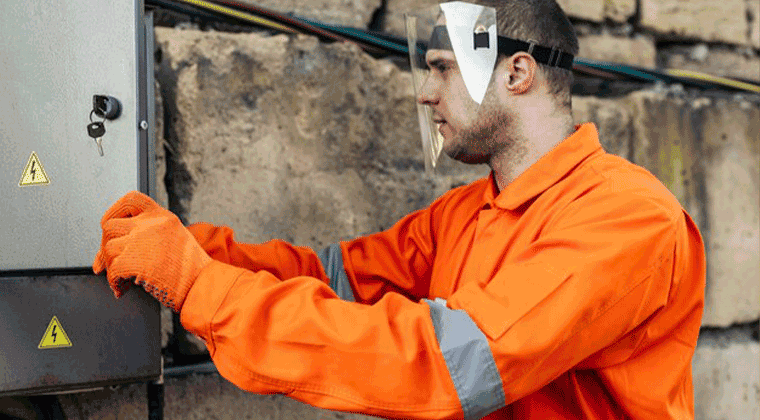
(97, 130)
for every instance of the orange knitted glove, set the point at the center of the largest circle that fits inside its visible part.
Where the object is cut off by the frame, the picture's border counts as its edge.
(144, 241)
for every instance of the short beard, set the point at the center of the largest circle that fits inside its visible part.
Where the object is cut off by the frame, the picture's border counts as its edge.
(490, 133)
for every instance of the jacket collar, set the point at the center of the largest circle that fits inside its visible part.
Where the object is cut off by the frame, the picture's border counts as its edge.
(547, 171)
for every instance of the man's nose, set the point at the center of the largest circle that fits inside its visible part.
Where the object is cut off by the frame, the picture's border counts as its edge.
(427, 95)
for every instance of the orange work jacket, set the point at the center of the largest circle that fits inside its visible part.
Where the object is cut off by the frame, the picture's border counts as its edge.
(575, 293)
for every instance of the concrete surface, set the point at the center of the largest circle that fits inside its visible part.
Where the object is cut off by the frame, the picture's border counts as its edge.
(275, 133)
(726, 383)
(356, 13)
(707, 20)
(395, 10)
(592, 10)
(637, 51)
(613, 119)
(706, 152)
(753, 17)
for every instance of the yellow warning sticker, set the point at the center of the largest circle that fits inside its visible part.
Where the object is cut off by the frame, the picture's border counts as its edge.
(54, 336)
(34, 173)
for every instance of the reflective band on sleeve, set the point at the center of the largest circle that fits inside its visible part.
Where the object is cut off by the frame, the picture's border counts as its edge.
(332, 261)
(469, 359)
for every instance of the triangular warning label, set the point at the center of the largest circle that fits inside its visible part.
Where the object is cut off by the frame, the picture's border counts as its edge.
(34, 173)
(54, 336)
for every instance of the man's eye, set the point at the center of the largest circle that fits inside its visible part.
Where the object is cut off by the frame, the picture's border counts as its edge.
(440, 67)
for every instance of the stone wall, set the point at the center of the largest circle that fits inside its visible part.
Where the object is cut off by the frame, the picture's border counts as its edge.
(287, 137)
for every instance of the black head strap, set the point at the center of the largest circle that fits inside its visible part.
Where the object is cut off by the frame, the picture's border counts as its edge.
(552, 57)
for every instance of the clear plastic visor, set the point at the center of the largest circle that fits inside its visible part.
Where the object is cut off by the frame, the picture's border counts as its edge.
(461, 32)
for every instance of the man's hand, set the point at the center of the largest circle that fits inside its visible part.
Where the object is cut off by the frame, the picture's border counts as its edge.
(144, 241)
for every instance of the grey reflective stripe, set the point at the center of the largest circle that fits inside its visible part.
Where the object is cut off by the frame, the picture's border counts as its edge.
(469, 359)
(332, 262)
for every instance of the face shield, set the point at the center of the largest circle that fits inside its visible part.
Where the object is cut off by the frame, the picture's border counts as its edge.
(464, 34)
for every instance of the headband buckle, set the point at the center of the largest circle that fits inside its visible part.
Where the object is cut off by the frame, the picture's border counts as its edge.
(531, 44)
(554, 57)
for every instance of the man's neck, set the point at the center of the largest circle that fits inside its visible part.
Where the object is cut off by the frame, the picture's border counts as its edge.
(536, 137)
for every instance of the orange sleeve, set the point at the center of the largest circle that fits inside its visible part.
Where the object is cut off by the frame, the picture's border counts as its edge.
(280, 258)
(398, 259)
(604, 268)
(298, 338)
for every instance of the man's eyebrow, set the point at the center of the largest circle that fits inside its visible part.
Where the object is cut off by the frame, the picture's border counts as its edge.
(438, 60)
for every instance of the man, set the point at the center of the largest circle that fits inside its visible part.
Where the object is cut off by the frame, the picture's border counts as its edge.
(569, 284)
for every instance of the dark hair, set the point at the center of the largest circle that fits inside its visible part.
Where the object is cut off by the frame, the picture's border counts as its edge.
(542, 21)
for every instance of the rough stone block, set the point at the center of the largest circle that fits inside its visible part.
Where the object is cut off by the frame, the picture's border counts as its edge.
(584, 9)
(715, 61)
(707, 20)
(639, 51)
(120, 402)
(665, 143)
(194, 397)
(753, 14)
(356, 13)
(706, 152)
(727, 381)
(211, 396)
(289, 138)
(595, 10)
(161, 197)
(619, 10)
(732, 150)
(395, 10)
(612, 118)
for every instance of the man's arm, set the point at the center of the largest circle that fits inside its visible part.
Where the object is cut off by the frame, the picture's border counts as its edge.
(584, 286)
(280, 258)
(298, 338)
(398, 259)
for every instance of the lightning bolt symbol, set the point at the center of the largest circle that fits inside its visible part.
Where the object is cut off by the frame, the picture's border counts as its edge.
(53, 333)
(33, 171)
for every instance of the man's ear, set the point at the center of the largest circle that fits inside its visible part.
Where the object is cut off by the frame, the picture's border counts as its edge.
(520, 73)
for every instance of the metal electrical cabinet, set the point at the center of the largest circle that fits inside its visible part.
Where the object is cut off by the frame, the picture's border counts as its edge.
(61, 329)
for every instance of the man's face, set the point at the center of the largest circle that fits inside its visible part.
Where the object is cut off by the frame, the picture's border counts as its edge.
(469, 130)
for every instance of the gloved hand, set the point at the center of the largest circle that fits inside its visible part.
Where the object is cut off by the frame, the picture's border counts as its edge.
(144, 241)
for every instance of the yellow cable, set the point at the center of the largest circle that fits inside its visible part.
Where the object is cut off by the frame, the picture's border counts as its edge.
(240, 15)
(719, 80)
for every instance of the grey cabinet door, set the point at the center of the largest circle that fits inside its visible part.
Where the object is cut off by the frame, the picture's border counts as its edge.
(54, 185)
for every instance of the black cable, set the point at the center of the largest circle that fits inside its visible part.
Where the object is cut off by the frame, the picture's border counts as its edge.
(189, 11)
(155, 401)
(186, 370)
(47, 407)
(314, 28)
(9, 417)
(203, 15)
